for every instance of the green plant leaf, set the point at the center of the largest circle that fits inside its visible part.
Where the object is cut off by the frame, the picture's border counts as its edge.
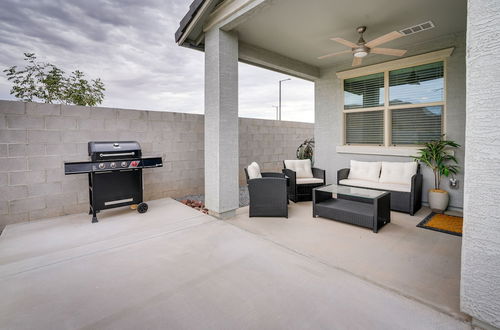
(47, 83)
(435, 155)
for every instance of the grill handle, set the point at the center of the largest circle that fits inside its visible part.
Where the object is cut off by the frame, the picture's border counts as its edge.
(118, 154)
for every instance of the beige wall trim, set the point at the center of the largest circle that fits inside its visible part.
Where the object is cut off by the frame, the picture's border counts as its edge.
(230, 11)
(387, 108)
(438, 55)
(378, 150)
(383, 151)
(273, 61)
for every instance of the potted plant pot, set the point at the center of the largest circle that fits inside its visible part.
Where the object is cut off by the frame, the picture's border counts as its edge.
(437, 156)
(438, 200)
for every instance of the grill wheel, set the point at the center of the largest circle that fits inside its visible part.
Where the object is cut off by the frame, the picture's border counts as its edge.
(142, 207)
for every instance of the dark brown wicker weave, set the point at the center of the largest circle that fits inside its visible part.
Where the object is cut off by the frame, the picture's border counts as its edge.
(407, 202)
(268, 195)
(371, 213)
(303, 192)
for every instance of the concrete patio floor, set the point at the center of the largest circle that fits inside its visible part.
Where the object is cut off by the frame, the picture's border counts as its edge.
(418, 263)
(175, 268)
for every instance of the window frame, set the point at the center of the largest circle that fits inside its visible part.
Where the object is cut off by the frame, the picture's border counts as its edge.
(385, 68)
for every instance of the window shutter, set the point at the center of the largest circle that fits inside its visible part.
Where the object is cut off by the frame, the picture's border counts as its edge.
(364, 92)
(416, 125)
(365, 127)
(418, 84)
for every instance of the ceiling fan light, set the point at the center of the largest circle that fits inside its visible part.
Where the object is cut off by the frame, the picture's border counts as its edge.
(361, 53)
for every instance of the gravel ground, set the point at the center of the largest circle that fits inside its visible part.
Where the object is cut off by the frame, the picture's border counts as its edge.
(244, 198)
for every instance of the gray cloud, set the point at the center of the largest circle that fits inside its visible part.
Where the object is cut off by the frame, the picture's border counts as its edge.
(129, 44)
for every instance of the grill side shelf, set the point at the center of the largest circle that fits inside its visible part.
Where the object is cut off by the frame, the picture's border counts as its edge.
(151, 162)
(77, 167)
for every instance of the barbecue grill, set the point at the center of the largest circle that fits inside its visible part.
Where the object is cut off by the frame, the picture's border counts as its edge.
(115, 175)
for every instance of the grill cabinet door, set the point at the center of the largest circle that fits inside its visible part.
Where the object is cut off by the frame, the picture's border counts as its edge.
(118, 188)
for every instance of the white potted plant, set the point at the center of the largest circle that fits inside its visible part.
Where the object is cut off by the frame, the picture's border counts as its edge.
(437, 157)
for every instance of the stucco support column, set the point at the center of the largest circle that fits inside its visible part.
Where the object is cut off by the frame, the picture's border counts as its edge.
(326, 123)
(480, 282)
(221, 123)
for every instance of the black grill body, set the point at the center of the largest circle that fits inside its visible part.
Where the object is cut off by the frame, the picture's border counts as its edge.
(115, 175)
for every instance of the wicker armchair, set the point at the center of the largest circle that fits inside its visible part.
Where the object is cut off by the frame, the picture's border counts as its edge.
(300, 189)
(268, 195)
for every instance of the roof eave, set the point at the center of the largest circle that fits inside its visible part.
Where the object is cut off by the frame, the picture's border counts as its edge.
(189, 20)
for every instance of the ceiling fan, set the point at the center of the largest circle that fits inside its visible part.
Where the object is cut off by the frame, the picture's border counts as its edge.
(363, 48)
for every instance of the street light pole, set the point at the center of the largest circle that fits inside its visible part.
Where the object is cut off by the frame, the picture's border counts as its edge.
(279, 107)
(276, 108)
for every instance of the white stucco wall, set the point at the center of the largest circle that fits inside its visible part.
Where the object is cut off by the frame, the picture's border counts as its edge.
(480, 283)
(221, 124)
(328, 114)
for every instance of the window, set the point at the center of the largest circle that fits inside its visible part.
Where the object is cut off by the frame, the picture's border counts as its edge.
(416, 125)
(365, 127)
(364, 92)
(395, 107)
(420, 84)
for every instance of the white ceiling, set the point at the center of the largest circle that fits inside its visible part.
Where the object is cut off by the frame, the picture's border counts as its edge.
(301, 29)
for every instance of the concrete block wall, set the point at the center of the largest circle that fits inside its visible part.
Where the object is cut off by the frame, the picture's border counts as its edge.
(36, 139)
(269, 142)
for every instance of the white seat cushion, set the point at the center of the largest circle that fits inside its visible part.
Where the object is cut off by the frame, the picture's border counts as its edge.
(302, 167)
(377, 185)
(309, 180)
(400, 173)
(254, 171)
(369, 171)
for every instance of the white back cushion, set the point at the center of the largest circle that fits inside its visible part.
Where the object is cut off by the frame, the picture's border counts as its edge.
(254, 171)
(398, 172)
(302, 167)
(369, 171)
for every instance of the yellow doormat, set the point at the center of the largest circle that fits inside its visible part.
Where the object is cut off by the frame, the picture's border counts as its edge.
(444, 223)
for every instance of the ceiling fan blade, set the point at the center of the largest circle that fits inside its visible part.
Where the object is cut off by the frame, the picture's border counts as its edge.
(383, 39)
(345, 42)
(357, 61)
(334, 54)
(388, 51)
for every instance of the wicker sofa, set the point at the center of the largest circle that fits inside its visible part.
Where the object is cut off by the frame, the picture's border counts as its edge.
(402, 180)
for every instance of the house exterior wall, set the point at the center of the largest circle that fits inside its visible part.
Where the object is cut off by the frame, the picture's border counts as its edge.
(35, 140)
(480, 281)
(328, 129)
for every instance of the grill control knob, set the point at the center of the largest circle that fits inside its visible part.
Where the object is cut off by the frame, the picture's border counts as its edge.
(101, 165)
(113, 165)
(124, 164)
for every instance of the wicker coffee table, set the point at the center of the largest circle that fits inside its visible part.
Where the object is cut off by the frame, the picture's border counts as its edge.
(357, 206)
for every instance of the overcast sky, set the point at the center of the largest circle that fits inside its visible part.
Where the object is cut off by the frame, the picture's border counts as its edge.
(130, 45)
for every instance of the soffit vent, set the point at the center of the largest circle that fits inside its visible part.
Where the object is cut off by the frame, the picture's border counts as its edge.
(417, 28)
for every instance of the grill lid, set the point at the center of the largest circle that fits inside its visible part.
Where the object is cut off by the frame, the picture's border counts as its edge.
(101, 150)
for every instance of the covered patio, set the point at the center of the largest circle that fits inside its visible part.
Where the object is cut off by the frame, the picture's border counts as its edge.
(378, 122)
(291, 37)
